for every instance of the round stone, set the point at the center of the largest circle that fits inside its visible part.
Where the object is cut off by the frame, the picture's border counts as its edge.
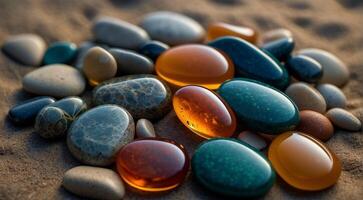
(253, 139)
(259, 107)
(56, 80)
(153, 49)
(73, 106)
(194, 65)
(204, 112)
(344, 119)
(333, 96)
(304, 162)
(153, 165)
(98, 134)
(281, 48)
(306, 97)
(233, 168)
(60, 52)
(172, 28)
(305, 68)
(315, 124)
(52, 122)
(276, 34)
(145, 129)
(99, 65)
(221, 29)
(94, 182)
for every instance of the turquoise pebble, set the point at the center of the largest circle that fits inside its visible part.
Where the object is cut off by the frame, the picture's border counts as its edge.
(281, 48)
(304, 68)
(60, 52)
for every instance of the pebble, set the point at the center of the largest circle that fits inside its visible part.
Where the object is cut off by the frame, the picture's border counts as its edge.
(73, 106)
(145, 129)
(82, 51)
(94, 182)
(306, 97)
(304, 162)
(258, 107)
(25, 112)
(304, 68)
(220, 29)
(253, 139)
(57, 80)
(242, 53)
(280, 49)
(333, 96)
(344, 119)
(194, 64)
(204, 112)
(99, 65)
(60, 53)
(52, 122)
(335, 71)
(276, 34)
(153, 49)
(153, 164)
(119, 33)
(232, 168)
(28, 49)
(172, 28)
(144, 96)
(98, 134)
(129, 62)
(315, 124)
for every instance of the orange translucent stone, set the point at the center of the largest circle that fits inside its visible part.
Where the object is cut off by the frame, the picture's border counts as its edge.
(204, 112)
(153, 164)
(194, 65)
(217, 30)
(304, 162)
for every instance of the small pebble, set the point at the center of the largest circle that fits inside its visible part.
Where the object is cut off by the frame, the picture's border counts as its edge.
(52, 122)
(315, 124)
(82, 51)
(220, 29)
(305, 68)
(153, 49)
(73, 106)
(344, 119)
(333, 96)
(60, 53)
(144, 129)
(276, 34)
(252, 139)
(281, 48)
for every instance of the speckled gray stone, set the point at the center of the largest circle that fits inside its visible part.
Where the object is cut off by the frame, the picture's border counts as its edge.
(52, 122)
(333, 96)
(144, 129)
(344, 119)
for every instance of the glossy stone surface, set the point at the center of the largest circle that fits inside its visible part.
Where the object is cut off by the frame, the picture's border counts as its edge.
(315, 124)
(144, 96)
(304, 162)
(25, 112)
(344, 119)
(260, 107)
(204, 112)
(304, 68)
(52, 122)
(98, 134)
(221, 29)
(153, 164)
(73, 106)
(253, 139)
(153, 49)
(333, 96)
(275, 34)
(281, 48)
(242, 53)
(60, 52)
(194, 65)
(145, 129)
(233, 168)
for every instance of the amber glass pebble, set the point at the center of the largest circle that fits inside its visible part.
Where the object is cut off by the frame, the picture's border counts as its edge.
(153, 164)
(204, 112)
(194, 65)
(304, 162)
(217, 30)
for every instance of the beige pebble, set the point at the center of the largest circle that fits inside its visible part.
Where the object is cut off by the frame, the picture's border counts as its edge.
(252, 139)
(275, 34)
(344, 119)
(333, 96)
(144, 129)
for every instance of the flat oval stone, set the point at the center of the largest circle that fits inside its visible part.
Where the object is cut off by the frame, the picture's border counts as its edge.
(333, 96)
(304, 162)
(221, 29)
(25, 112)
(305, 68)
(172, 28)
(94, 182)
(52, 122)
(233, 168)
(28, 49)
(306, 97)
(335, 71)
(242, 53)
(344, 119)
(60, 52)
(118, 33)
(194, 65)
(56, 80)
(281, 48)
(145, 129)
(129, 62)
(276, 34)
(99, 65)
(259, 107)
(153, 49)
(98, 134)
(153, 165)
(315, 124)
(204, 112)
(253, 139)
(73, 106)
(144, 96)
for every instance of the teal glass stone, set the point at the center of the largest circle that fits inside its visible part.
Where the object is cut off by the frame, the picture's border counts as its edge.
(281, 49)
(60, 52)
(260, 107)
(251, 62)
(233, 168)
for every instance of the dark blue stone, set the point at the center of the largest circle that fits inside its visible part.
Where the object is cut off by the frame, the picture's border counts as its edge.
(73, 106)
(281, 48)
(305, 68)
(153, 49)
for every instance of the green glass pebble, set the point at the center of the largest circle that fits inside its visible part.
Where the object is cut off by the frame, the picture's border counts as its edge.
(260, 107)
(232, 168)
(251, 62)
(73, 106)
(60, 52)
(281, 48)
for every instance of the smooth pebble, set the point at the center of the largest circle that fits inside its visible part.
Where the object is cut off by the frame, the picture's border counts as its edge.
(144, 129)
(73, 106)
(220, 29)
(253, 139)
(52, 122)
(280, 49)
(344, 119)
(304, 68)
(60, 53)
(333, 96)
(153, 49)
(315, 124)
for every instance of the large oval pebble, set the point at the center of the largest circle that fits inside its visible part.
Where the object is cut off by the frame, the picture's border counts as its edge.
(344, 119)
(333, 96)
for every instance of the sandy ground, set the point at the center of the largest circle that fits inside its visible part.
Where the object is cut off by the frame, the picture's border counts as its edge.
(32, 168)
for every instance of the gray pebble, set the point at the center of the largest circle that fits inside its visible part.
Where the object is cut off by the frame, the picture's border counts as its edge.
(333, 96)
(144, 129)
(344, 119)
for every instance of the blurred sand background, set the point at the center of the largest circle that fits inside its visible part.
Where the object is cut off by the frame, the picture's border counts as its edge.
(32, 168)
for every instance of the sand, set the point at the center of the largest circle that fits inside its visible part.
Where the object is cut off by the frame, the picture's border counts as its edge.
(32, 168)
